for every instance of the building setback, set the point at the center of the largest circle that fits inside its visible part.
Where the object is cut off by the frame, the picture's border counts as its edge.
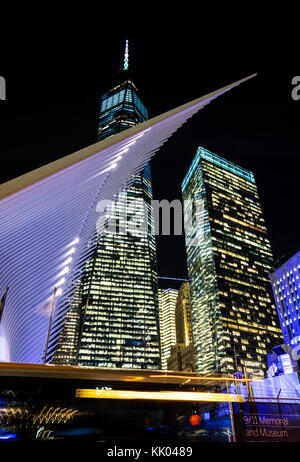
(229, 259)
(286, 288)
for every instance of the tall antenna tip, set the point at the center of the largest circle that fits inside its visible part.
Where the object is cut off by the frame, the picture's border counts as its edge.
(126, 57)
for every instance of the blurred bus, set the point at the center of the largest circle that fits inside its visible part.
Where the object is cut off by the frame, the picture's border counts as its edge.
(67, 402)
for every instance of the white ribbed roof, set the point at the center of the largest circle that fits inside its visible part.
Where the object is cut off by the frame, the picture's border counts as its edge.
(48, 218)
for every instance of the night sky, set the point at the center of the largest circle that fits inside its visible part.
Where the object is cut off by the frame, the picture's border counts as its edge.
(53, 94)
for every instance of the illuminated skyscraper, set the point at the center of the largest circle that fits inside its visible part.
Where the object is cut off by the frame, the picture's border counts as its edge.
(167, 299)
(286, 288)
(183, 320)
(229, 259)
(182, 354)
(121, 107)
(117, 318)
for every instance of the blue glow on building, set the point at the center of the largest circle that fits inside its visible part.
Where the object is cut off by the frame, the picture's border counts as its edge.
(286, 289)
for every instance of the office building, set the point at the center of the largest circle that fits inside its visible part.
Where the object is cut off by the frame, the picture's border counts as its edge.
(234, 319)
(182, 353)
(183, 320)
(167, 299)
(286, 288)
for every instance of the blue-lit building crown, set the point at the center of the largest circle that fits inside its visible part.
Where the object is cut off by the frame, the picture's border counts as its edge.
(120, 108)
(219, 161)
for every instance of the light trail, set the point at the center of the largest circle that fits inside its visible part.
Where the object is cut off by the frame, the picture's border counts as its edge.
(158, 395)
(223, 379)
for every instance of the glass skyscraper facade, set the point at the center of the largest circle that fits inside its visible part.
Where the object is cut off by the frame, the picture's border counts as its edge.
(67, 347)
(234, 319)
(167, 299)
(286, 288)
(118, 319)
(120, 108)
(182, 354)
(183, 321)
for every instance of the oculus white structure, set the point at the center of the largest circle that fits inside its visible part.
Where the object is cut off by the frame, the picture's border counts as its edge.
(48, 227)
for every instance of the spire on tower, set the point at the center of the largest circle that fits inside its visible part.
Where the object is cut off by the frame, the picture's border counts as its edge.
(126, 57)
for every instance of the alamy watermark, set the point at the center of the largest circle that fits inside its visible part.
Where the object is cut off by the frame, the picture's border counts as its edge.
(2, 88)
(296, 89)
(137, 217)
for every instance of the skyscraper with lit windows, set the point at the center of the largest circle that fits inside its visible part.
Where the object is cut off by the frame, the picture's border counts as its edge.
(116, 322)
(184, 332)
(234, 319)
(167, 299)
(182, 353)
(286, 288)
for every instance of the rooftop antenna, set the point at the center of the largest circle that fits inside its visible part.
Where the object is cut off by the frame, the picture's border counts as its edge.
(126, 57)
